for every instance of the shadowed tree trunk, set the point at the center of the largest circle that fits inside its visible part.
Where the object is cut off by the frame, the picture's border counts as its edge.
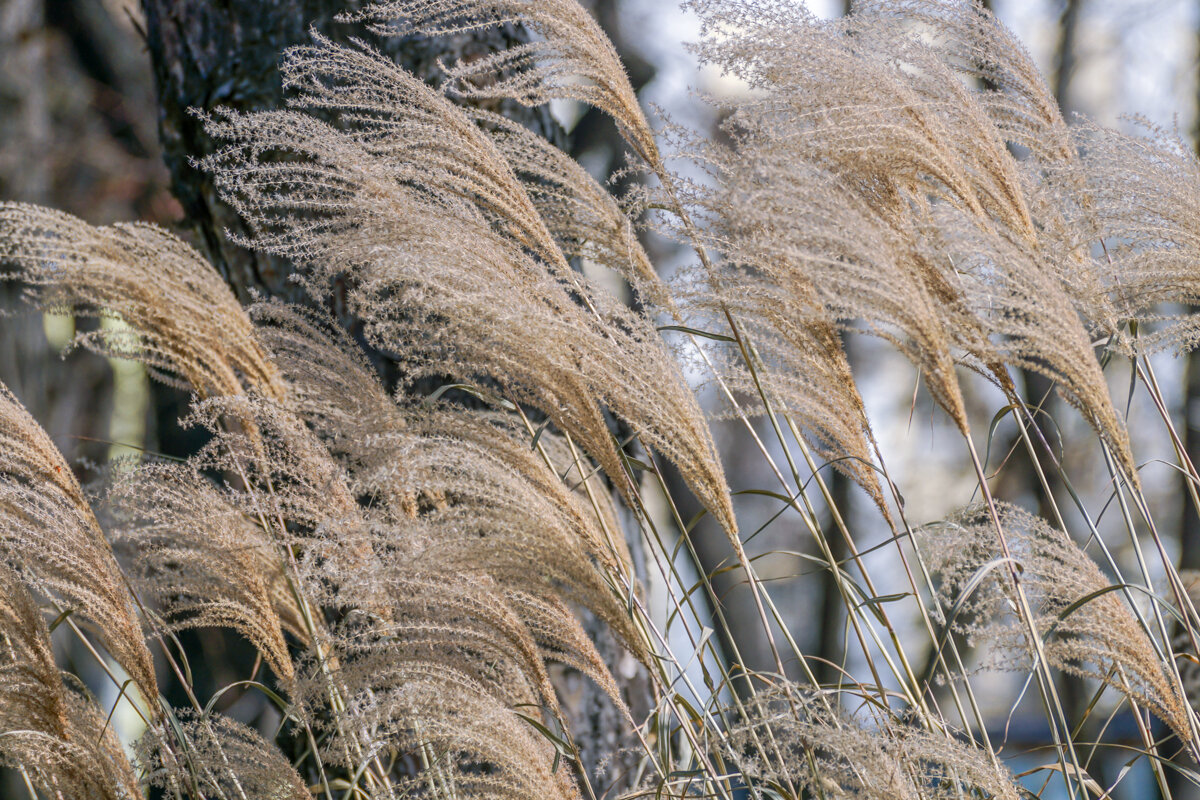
(1189, 516)
(210, 53)
(220, 53)
(1073, 690)
(1189, 532)
(829, 620)
(1064, 52)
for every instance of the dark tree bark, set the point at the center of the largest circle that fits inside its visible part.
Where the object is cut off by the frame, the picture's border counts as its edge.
(829, 619)
(1064, 52)
(1073, 690)
(1189, 515)
(1189, 531)
(210, 53)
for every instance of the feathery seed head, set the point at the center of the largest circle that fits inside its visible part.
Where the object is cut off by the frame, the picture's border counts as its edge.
(54, 730)
(183, 321)
(571, 59)
(49, 533)
(1100, 639)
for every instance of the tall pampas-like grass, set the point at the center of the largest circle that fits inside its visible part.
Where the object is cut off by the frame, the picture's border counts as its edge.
(1087, 628)
(415, 573)
(409, 175)
(50, 727)
(52, 538)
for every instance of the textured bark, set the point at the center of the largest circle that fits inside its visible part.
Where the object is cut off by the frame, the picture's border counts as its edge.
(1189, 515)
(1064, 52)
(1189, 527)
(209, 53)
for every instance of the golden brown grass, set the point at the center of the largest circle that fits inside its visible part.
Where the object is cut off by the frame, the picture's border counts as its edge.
(409, 568)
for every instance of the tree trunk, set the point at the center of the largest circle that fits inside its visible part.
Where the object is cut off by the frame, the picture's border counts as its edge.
(1073, 691)
(1189, 531)
(1189, 515)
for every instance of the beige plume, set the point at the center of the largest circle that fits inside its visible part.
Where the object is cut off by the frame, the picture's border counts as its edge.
(571, 58)
(203, 561)
(1087, 629)
(49, 532)
(184, 323)
(221, 758)
(54, 731)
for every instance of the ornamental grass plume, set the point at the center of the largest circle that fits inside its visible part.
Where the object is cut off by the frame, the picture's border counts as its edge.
(50, 535)
(221, 758)
(182, 320)
(1086, 627)
(49, 726)
(572, 58)
(1142, 193)
(202, 561)
(828, 752)
(585, 219)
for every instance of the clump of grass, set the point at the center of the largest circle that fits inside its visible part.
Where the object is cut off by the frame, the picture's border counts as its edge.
(818, 748)
(409, 569)
(1087, 629)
